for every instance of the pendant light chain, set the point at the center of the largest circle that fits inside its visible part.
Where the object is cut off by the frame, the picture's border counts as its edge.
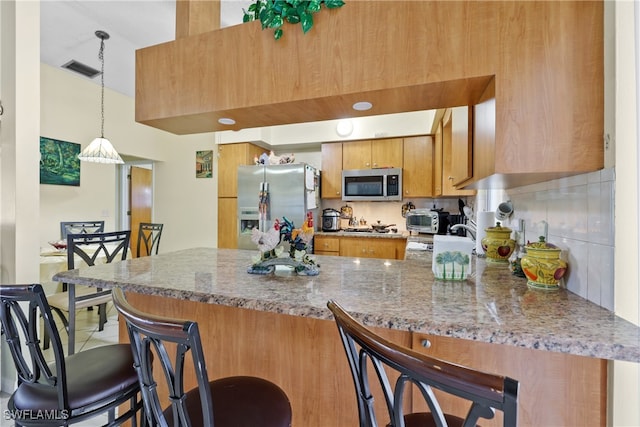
(101, 58)
(100, 150)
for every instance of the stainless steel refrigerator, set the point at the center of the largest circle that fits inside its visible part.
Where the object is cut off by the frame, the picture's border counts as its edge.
(267, 192)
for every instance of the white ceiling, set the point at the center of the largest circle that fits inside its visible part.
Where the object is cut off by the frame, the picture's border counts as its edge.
(67, 32)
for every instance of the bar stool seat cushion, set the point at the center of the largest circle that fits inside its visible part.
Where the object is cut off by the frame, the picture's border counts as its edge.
(425, 419)
(240, 401)
(109, 366)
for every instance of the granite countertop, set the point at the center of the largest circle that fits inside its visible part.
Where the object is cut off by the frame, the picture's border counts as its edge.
(491, 306)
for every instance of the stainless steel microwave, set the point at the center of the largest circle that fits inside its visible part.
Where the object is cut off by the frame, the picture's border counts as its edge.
(384, 184)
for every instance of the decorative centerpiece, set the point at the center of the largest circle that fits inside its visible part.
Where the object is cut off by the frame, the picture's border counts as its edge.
(498, 244)
(542, 265)
(272, 254)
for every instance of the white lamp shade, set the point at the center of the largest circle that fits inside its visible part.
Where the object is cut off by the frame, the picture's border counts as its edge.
(100, 151)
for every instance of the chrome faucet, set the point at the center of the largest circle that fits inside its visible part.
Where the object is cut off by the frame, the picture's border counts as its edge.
(471, 229)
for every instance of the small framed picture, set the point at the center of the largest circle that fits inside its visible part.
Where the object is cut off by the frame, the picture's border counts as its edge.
(204, 164)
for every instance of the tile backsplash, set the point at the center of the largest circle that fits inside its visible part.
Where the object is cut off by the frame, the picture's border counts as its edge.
(574, 213)
(577, 215)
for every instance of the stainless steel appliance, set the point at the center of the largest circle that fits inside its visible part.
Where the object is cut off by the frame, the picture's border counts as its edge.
(383, 184)
(427, 221)
(330, 220)
(267, 192)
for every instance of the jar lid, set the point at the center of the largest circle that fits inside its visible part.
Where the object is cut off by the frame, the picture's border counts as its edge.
(541, 244)
(498, 227)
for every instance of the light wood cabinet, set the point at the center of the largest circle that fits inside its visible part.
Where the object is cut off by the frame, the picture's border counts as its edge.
(363, 247)
(461, 148)
(228, 222)
(437, 161)
(230, 156)
(571, 387)
(369, 154)
(417, 176)
(372, 248)
(447, 160)
(331, 176)
(326, 245)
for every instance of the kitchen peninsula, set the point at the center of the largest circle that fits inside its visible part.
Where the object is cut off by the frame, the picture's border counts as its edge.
(278, 327)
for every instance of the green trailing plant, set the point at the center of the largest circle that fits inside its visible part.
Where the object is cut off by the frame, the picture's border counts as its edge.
(274, 13)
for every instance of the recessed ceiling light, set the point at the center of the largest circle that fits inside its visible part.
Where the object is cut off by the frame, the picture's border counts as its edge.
(362, 106)
(226, 121)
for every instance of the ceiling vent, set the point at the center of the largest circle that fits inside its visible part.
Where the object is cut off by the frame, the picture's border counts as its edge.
(80, 68)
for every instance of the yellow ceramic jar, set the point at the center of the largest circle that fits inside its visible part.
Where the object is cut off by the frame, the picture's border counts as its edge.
(542, 265)
(498, 244)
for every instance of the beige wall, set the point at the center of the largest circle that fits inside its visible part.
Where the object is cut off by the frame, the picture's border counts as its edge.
(625, 377)
(70, 111)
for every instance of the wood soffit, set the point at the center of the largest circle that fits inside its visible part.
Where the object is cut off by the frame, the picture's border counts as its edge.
(300, 78)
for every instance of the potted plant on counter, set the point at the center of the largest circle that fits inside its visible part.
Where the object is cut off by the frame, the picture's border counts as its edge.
(273, 13)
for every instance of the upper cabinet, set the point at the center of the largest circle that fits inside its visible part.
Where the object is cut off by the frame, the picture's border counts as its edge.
(371, 154)
(331, 176)
(458, 119)
(437, 160)
(230, 156)
(461, 151)
(417, 179)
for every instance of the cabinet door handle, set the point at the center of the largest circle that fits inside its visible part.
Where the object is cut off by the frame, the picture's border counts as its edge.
(425, 343)
(451, 178)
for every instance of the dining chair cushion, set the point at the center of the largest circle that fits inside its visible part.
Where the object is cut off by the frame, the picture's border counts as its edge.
(61, 299)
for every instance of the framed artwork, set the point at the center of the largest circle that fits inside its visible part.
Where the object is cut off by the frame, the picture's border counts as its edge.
(204, 164)
(59, 163)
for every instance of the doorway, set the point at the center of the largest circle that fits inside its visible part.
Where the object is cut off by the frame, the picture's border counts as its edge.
(135, 198)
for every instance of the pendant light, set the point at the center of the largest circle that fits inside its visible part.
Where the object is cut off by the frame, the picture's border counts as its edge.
(100, 150)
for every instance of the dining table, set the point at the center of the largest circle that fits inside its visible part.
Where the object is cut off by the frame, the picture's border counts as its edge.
(54, 261)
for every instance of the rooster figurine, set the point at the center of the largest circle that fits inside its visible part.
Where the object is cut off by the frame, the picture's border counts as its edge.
(298, 238)
(267, 240)
(281, 160)
(305, 232)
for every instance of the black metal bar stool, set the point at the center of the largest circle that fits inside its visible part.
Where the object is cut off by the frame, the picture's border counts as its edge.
(240, 401)
(485, 392)
(69, 389)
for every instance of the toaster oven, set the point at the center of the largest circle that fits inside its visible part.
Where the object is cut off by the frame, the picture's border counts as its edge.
(427, 221)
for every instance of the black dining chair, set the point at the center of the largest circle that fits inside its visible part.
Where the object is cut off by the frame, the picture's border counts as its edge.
(238, 401)
(148, 239)
(69, 389)
(80, 227)
(90, 248)
(484, 392)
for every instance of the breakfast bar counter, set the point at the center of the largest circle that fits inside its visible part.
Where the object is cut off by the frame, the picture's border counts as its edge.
(277, 326)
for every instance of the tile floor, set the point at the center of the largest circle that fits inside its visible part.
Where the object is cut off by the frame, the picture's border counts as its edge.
(87, 336)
